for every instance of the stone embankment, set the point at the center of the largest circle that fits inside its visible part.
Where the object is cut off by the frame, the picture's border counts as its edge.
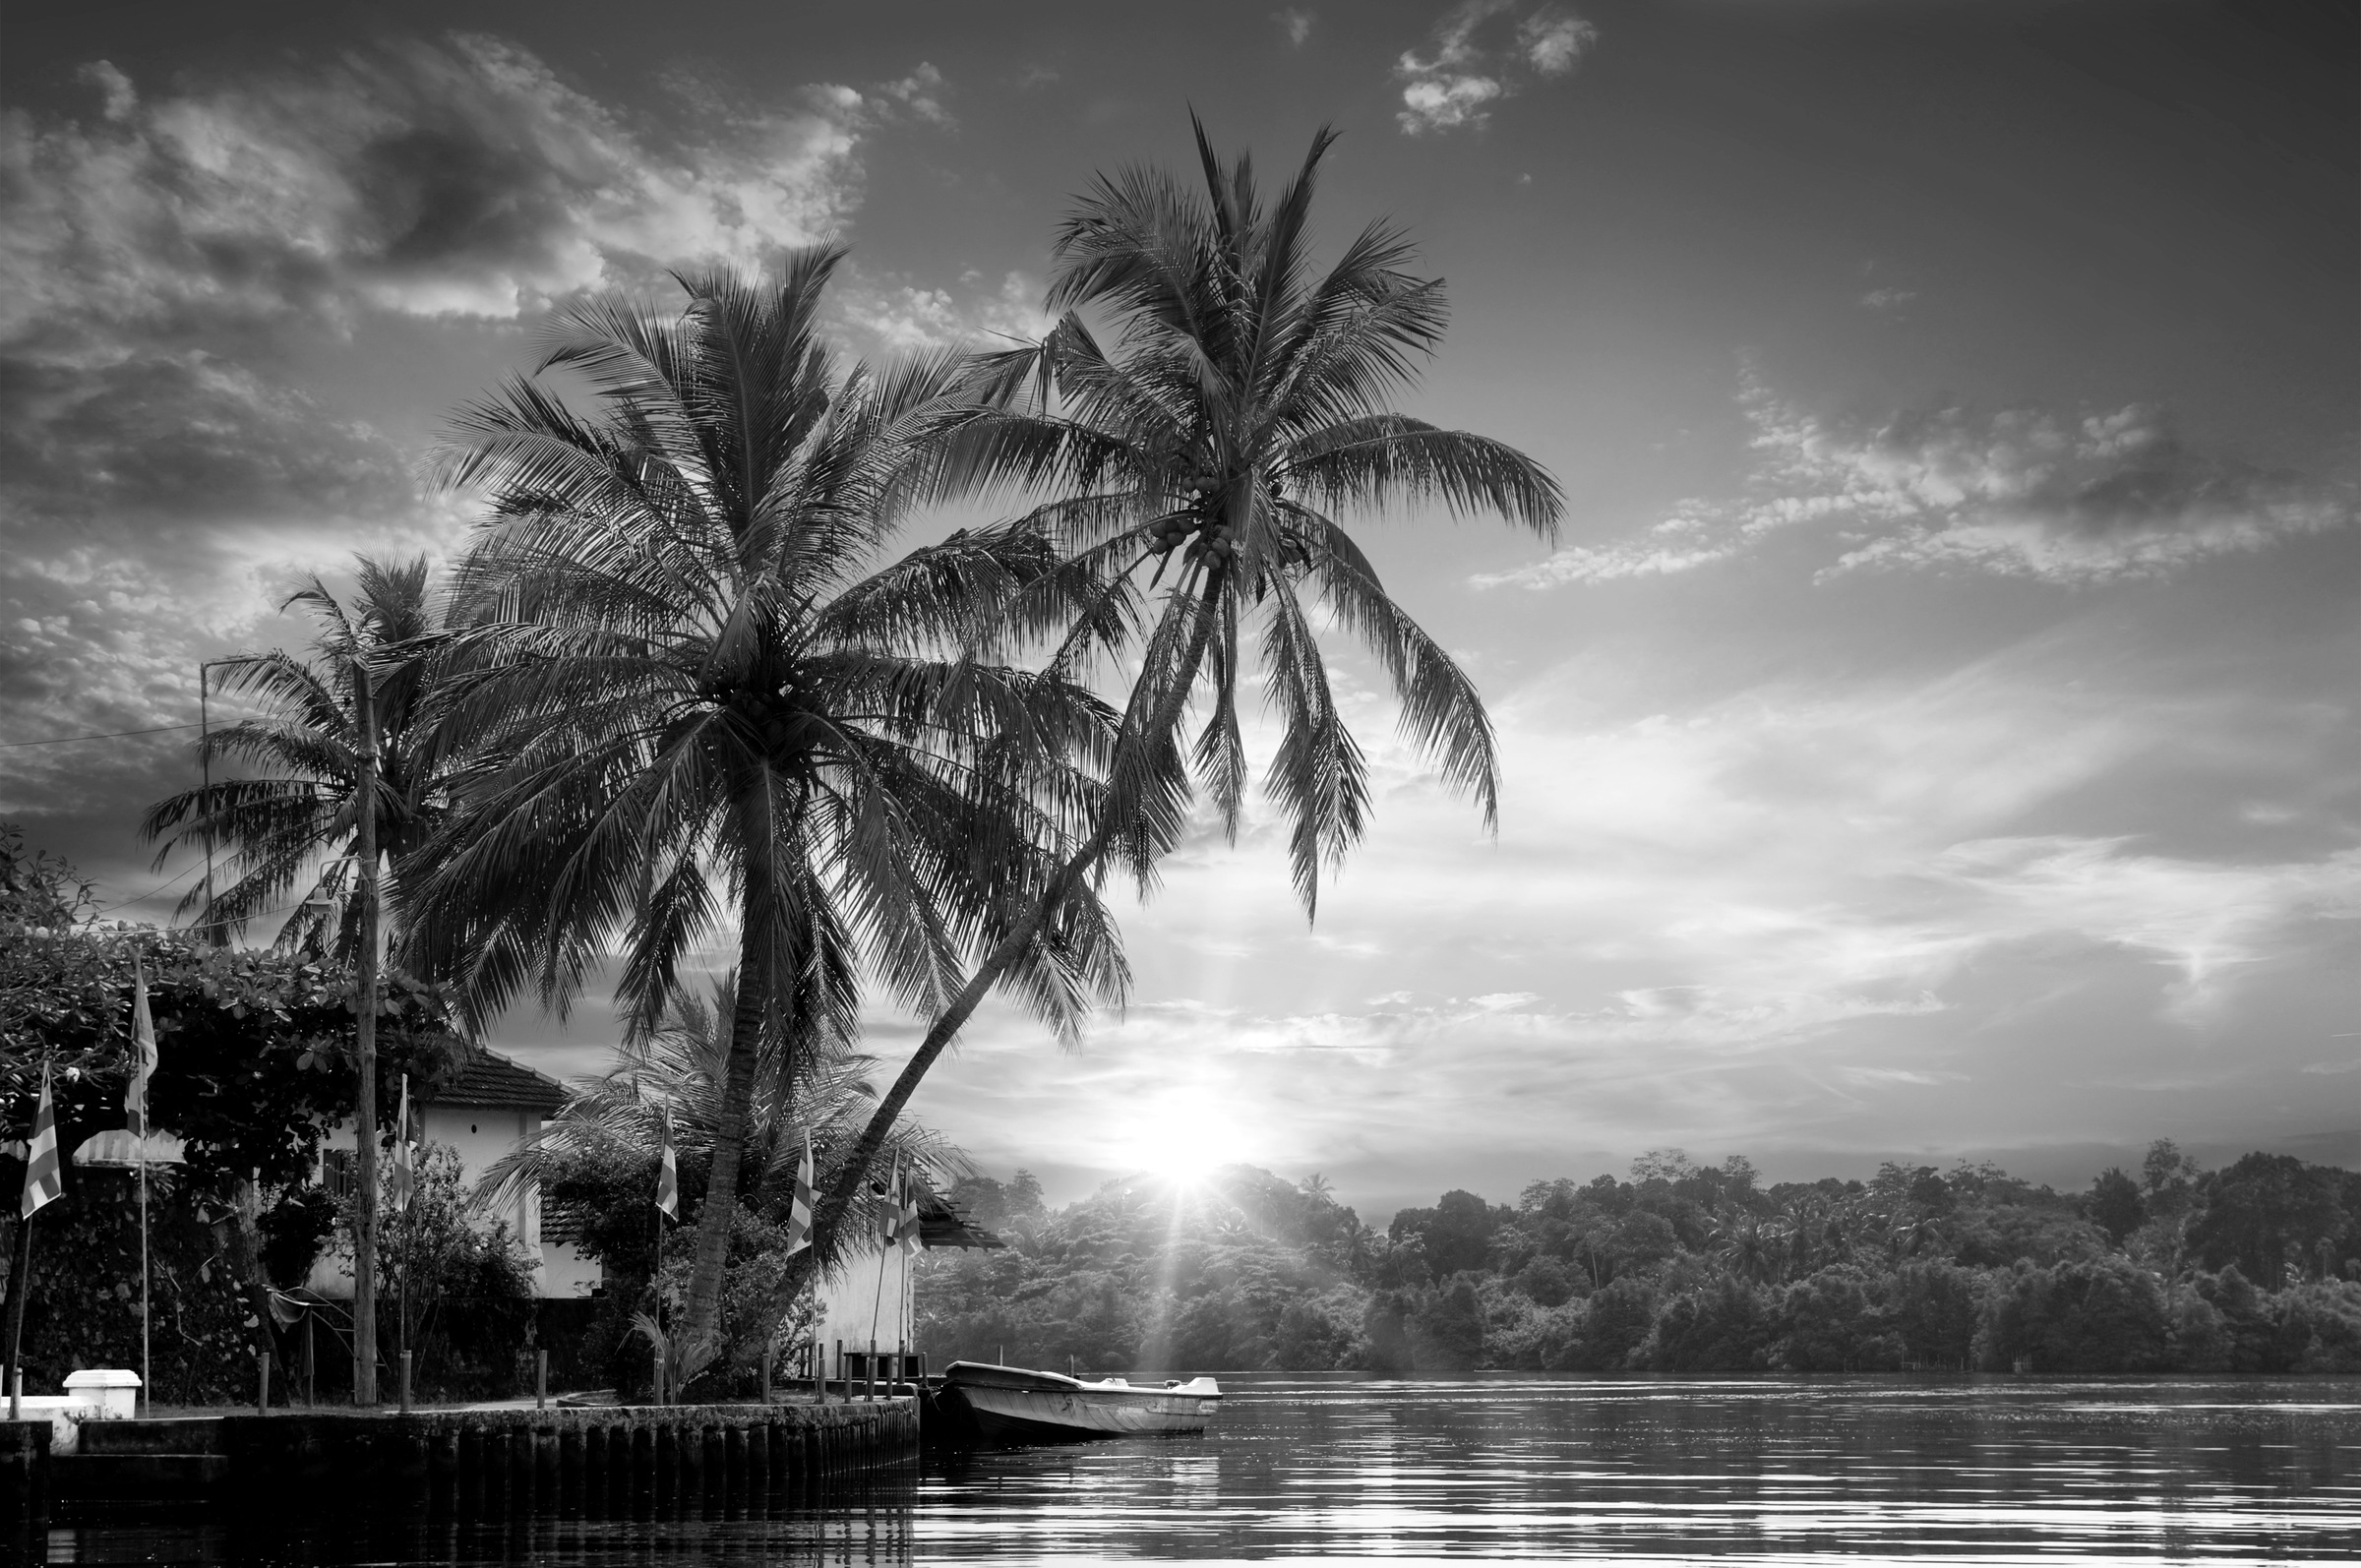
(598, 1463)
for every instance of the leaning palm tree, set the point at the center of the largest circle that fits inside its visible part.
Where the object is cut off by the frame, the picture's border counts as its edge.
(291, 827)
(1237, 410)
(694, 698)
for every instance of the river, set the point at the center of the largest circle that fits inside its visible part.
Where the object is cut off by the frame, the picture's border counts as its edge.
(1518, 1468)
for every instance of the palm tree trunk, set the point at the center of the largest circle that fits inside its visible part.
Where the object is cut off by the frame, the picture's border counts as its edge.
(998, 962)
(699, 1334)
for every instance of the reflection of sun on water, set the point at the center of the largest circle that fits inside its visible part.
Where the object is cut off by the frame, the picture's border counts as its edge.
(1181, 1135)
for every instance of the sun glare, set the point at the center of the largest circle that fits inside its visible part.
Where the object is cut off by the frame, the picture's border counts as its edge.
(1182, 1136)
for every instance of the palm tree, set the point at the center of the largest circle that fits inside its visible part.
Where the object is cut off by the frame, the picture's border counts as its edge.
(295, 824)
(1239, 411)
(687, 708)
(345, 761)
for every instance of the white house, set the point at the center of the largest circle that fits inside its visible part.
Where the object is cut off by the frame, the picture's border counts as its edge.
(490, 1108)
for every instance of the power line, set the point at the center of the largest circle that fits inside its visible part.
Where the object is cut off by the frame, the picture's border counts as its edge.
(107, 735)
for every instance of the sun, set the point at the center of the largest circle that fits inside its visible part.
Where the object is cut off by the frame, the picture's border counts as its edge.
(1181, 1135)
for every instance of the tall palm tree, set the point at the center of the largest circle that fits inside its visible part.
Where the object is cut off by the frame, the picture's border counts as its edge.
(687, 708)
(291, 830)
(1237, 410)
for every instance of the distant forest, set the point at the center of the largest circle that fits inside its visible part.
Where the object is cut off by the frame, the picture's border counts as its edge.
(1679, 1268)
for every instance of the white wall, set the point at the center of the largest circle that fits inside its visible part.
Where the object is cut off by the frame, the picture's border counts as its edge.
(853, 1308)
(480, 1136)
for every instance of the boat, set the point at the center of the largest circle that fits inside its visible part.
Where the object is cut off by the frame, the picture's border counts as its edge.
(1015, 1405)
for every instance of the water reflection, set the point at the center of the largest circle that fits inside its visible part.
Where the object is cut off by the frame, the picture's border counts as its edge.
(1505, 1468)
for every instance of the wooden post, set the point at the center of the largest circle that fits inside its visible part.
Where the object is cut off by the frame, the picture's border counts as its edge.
(405, 1382)
(767, 1349)
(261, 1387)
(542, 1379)
(311, 1388)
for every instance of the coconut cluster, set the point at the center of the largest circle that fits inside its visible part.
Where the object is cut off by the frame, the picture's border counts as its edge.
(1200, 515)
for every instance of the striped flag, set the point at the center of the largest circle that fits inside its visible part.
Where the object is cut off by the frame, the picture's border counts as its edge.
(402, 1179)
(143, 1052)
(799, 1206)
(44, 1182)
(668, 1173)
(906, 1221)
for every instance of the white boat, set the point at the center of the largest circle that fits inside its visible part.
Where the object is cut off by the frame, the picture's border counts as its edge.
(1013, 1405)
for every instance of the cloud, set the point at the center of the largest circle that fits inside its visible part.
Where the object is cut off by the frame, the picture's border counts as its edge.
(902, 318)
(1295, 22)
(1456, 83)
(2024, 492)
(458, 178)
(921, 93)
(1887, 301)
(173, 258)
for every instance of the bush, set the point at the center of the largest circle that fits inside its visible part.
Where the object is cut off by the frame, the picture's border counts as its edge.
(2106, 1316)
(1727, 1327)
(1615, 1323)
(1446, 1327)
(1831, 1323)
(1934, 1306)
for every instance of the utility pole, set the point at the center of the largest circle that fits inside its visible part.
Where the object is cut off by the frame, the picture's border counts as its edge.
(364, 1209)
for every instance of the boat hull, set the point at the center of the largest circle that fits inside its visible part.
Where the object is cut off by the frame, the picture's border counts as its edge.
(1011, 1404)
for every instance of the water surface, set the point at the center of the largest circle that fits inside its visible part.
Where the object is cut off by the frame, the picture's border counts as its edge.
(1513, 1467)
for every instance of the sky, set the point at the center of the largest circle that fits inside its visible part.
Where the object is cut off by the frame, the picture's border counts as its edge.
(1931, 737)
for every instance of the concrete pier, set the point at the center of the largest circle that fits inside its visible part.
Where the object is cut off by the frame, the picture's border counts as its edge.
(599, 1463)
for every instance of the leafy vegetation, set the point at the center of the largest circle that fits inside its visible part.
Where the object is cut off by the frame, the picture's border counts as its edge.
(1239, 408)
(255, 1062)
(700, 703)
(1679, 1268)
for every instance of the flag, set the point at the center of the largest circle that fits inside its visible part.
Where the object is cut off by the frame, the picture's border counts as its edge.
(143, 1052)
(907, 1228)
(402, 1179)
(668, 1173)
(44, 1182)
(893, 1203)
(799, 1206)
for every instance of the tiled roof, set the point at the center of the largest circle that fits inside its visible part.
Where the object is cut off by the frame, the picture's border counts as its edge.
(492, 1081)
(941, 1224)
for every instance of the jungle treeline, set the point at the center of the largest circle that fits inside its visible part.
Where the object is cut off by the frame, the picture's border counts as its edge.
(1678, 1267)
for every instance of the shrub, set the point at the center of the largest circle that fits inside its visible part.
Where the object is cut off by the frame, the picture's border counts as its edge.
(1832, 1323)
(1727, 1327)
(2105, 1315)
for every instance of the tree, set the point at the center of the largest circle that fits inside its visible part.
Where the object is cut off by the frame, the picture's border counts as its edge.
(1457, 1233)
(2267, 1212)
(1239, 412)
(255, 1060)
(296, 822)
(688, 708)
(328, 731)
(2116, 1206)
(2104, 1315)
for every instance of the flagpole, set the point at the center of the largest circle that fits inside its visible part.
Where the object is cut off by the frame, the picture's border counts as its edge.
(401, 1155)
(44, 1183)
(147, 1399)
(16, 1317)
(143, 1045)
